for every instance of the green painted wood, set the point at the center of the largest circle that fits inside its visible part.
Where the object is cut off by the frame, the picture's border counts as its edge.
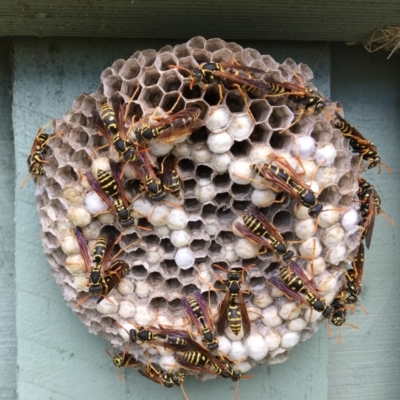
(57, 357)
(8, 342)
(341, 20)
(366, 365)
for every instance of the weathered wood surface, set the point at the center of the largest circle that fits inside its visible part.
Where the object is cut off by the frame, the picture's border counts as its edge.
(341, 20)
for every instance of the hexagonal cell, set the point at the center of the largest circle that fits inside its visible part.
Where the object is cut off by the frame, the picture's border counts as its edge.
(172, 285)
(149, 77)
(280, 140)
(181, 50)
(186, 275)
(195, 226)
(169, 267)
(282, 219)
(347, 184)
(223, 199)
(240, 206)
(222, 181)
(203, 173)
(260, 134)
(201, 56)
(172, 102)
(226, 216)
(193, 205)
(138, 271)
(196, 42)
(189, 186)
(260, 109)
(214, 44)
(257, 283)
(214, 249)
(151, 97)
(199, 245)
(155, 280)
(322, 132)
(223, 55)
(165, 60)
(128, 242)
(226, 237)
(78, 139)
(167, 245)
(188, 290)
(241, 191)
(196, 92)
(81, 160)
(209, 210)
(212, 95)
(112, 84)
(241, 149)
(130, 69)
(329, 195)
(159, 303)
(175, 305)
(170, 81)
(77, 120)
(147, 57)
(186, 166)
(274, 266)
(151, 240)
(280, 118)
(134, 111)
(138, 253)
(235, 102)
(65, 175)
(199, 136)
(53, 189)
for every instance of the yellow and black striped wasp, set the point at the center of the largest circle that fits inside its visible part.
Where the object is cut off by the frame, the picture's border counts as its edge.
(202, 360)
(111, 190)
(174, 126)
(359, 144)
(167, 379)
(169, 175)
(354, 276)
(233, 311)
(370, 207)
(199, 314)
(230, 75)
(122, 360)
(290, 182)
(296, 281)
(298, 94)
(102, 278)
(259, 230)
(111, 124)
(37, 155)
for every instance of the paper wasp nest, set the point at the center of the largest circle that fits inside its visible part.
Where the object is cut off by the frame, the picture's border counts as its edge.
(173, 245)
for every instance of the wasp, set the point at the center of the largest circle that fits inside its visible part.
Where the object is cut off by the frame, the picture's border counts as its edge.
(230, 75)
(287, 179)
(111, 125)
(152, 185)
(359, 144)
(354, 276)
(177, 125)
(170, 176)
(198, 312)
(111, 190)
(202, 360)
(122, 360)
(298, 94)
(166, 379)
(370, 207)
(101, 280)
(258, 229)
(102, 252)
(296, 286)
(37, 155)
(233, 311)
